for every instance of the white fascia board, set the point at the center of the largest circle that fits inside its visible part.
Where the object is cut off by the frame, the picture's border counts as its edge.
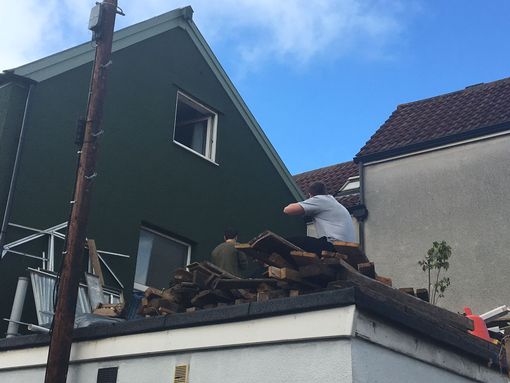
(321, 324)
(68, 59)
(241, 106)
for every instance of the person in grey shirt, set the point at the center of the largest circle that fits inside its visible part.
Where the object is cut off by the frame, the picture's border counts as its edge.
(332, 220)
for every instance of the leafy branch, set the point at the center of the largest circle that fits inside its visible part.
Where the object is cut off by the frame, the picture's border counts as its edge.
(435, 262)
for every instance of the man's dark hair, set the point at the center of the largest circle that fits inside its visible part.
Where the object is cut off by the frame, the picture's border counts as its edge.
(317, 188)
(230, 233)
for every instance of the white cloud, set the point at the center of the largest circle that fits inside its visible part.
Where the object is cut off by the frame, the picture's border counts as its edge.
(291, 31)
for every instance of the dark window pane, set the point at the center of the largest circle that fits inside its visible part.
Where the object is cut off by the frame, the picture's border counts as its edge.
(192, 124)
(192, 135)
(158, 258)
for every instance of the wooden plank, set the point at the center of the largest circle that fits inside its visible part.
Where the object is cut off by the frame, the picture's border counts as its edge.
(407, 290)
(407, 302)
(206, 273)
(209, 297)
(318, 271)
(153, 292)
(333, 254)
(385, 280)
(367, 269)
(290, 275)
(243, 283)
(217, 270)
(277, 260)
(423, 294)
(169, 306)
(303, 258)
(353, 252)
(94, 260)
(284, 273)
(273, 259)
(269, 243)
(347, 248)
(182, 275)
(336, 263)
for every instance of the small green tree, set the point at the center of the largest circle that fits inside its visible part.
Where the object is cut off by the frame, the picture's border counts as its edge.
(437, 260)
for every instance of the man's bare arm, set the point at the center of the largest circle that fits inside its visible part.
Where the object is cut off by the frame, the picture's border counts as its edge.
(294, 209)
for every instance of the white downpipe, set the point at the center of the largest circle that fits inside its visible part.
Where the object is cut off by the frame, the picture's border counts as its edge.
(17, 306)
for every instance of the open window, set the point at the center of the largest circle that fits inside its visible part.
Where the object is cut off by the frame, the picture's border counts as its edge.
(351, 186)
(158, 257)
(195, 127)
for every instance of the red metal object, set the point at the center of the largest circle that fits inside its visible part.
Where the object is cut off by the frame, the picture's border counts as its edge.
(480, 329)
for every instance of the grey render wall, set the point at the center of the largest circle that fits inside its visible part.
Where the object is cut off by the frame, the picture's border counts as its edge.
(458, 194)
(371, 361)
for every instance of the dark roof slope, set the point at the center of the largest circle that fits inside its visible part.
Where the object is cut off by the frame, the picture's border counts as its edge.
(475, 111)
(334, 176)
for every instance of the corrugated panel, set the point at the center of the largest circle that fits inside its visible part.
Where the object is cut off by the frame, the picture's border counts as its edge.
(107, 375)
(43, 286)
(181, 373)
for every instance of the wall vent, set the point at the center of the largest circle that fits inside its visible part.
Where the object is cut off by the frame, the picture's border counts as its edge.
(181, 373)
(107, 375)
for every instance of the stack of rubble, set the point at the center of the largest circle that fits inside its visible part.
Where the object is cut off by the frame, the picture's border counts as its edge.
(290, 271)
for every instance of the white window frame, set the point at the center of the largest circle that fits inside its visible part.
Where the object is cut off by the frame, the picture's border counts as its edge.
(212, 127)
(141, 287)
(352, 183)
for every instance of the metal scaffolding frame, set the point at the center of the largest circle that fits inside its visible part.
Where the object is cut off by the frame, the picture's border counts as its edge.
(48, 259)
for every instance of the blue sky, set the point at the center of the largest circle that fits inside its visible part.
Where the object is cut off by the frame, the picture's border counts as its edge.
(320, 76)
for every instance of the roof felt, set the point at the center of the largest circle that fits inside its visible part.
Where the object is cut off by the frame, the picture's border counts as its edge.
(471, 110)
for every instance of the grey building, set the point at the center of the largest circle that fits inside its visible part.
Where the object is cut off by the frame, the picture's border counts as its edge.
(438, 169)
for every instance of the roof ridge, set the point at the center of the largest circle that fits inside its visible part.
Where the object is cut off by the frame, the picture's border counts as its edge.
(324, 167)
(469, 88)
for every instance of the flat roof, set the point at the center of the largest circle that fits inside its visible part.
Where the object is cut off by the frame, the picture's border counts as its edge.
(430, 321)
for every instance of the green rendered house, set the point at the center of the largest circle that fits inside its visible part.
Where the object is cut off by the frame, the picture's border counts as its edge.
(180, 159)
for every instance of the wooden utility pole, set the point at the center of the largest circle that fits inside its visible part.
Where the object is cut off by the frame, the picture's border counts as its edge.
(63, 321)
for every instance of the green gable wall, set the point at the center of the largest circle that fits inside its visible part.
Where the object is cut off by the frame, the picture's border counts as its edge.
(12, 104)
(143, 177)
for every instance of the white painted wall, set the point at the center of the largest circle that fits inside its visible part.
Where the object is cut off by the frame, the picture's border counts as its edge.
(459, 194)
(302, 362)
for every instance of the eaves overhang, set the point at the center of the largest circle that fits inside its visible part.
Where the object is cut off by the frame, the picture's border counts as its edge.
(8, 76)
(432, 144)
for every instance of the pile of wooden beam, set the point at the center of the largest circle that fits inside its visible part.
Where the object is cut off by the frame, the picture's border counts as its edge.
(290, 271)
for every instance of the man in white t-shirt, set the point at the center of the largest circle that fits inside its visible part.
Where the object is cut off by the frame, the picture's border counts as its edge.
(332, 220)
